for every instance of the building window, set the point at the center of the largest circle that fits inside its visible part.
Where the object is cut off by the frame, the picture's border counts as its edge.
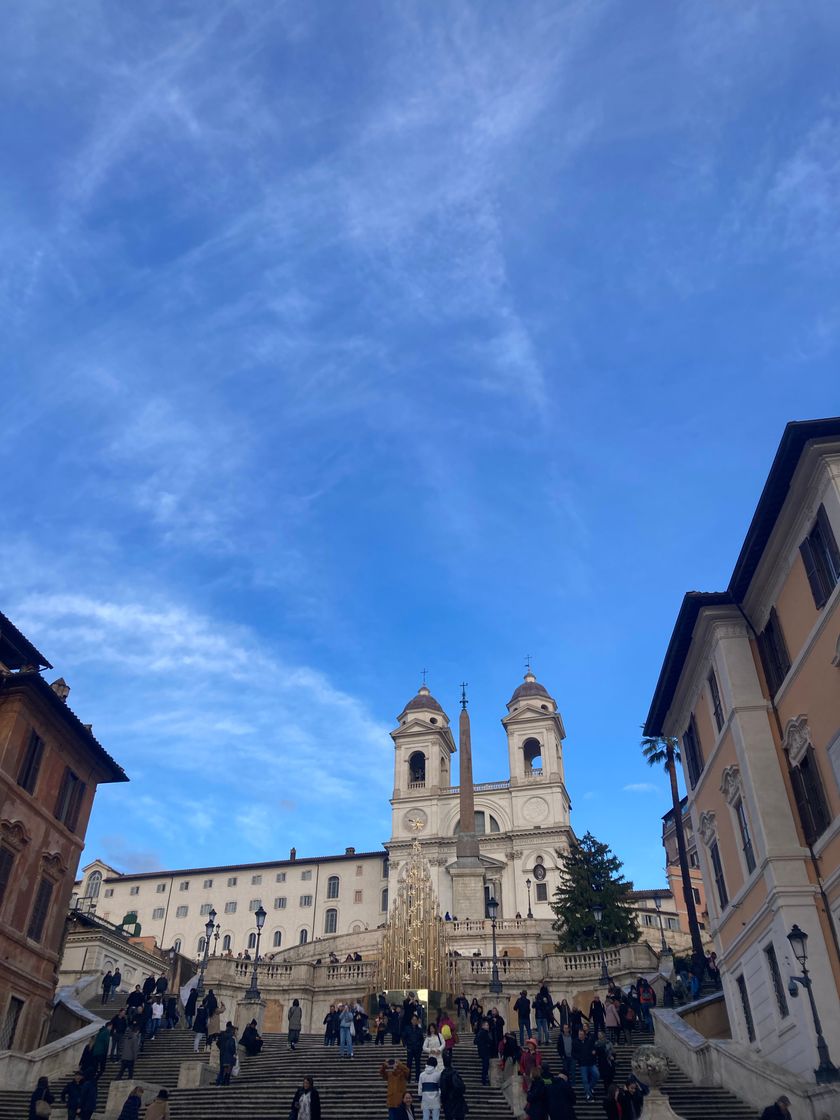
(773, 651)
(208, 883)
(306, 875)
(821, 558)
(256, 880)
(109, 892)
(810, 796)
(357, 896)
(232, 881)
(304, 937)
(280, 903)
(359, 869)
(481, 823)
(385, 868)
(746, 841)
(693, 859)
(201, 943)
(176, 944)
(7, 859)
(776, 977)
(161, 888)
(230, 907)
(306, 900)
(717, 707)
(717, 871)
(254, 905)
(417, 769)
(10, 1024)
(696, 894)
(647, 919)
(692, 753)
(332, 886)
(281, 876)
(205, 909)
(133, 890)
(157, 913)
(69, 799)
(226, 943)
(40, 909)
(745, 1007)
(331, 920)
(94, 884)
(31, 763)
(185, 886)
(252, 941)
(182, 911)
(541, 892)
(383, 901)
(278, 938)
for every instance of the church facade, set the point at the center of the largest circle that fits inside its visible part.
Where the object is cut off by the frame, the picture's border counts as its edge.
(521, 824)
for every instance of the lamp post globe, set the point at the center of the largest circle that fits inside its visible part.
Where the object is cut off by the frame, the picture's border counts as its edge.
(253, 992)
(528, 885)
(492, 912)
(208, 930)
(826, 1072)
(598, 915)
(798, 939)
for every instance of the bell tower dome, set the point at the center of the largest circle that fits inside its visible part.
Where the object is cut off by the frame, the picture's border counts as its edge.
(535, 736)
(423, 749)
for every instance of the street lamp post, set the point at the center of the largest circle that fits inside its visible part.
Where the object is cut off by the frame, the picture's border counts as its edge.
(208, 929)
(597, 914)
(657, 901)
(253, 992)
(826, 1071)
(495, 982)
(216, 939)
(528, 885)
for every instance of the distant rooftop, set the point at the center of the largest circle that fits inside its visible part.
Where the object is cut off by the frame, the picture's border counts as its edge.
(16, 650)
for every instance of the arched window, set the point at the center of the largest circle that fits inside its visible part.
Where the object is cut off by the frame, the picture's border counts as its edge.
(93, 884)
(252, 941)
(176, 944)
(417, 767)
(201, 943)
(532, 752)
(482, 820)
(331, 920)
(304, 936)
(226, 943)
(332, 886)
(278, 938)
(383, 905)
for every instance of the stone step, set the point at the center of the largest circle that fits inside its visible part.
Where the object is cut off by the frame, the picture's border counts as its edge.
(350, 1088)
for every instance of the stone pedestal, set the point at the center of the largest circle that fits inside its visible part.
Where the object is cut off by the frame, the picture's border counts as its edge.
(650, 1065)
(467, 890)
(118, 1091)
(247, 1010)
(195, 1073)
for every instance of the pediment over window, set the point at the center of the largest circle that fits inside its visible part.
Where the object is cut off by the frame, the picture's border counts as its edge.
(797, 738)
(14, 834)
(707, 827)
(730, 784)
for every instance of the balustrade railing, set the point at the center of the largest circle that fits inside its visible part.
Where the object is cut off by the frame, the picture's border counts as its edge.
(534, 774)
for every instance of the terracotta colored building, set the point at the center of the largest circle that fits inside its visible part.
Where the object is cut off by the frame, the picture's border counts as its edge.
(672, 869)
(50, 766)
(751, 685)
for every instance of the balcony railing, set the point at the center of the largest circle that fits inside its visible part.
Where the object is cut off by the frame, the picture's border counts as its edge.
(479, 787)
(417, 785)
(534, 774)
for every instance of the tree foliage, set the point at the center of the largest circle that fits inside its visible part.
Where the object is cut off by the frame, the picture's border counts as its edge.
(592, 875)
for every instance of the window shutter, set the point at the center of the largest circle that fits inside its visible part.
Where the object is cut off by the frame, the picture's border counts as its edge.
(802, 805)
(832, 551)
(40, 910)
(6, 860)
(811, 572)
(813, 787)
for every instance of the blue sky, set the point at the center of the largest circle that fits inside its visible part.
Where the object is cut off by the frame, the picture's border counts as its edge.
(343, 340)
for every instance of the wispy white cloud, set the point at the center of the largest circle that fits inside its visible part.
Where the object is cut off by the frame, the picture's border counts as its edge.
(641, 787)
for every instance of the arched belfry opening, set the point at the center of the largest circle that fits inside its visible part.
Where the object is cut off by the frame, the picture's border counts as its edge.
(417, 768)
(532, 753)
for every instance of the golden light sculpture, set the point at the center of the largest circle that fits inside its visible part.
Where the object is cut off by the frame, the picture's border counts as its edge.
(414, 949)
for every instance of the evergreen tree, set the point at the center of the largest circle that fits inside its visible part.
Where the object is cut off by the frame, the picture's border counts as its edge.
(592, 875)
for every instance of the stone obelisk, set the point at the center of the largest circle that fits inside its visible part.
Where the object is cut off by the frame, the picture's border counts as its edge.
(467, 871)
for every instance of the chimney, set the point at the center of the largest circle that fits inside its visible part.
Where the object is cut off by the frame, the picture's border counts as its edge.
(61, 688)
(293, 854)
(349, 851)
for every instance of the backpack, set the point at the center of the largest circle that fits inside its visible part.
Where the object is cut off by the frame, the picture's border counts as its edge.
(446, 1032)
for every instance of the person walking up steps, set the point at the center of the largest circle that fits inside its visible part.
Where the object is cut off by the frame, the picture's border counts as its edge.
(522, 1007)
(295, 1019)
(345, 1030)
(453, 1091)
(428, 1085)
(413, 1039)
(306, 1103)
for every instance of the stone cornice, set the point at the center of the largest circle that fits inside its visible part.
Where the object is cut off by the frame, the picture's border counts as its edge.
(713, 624)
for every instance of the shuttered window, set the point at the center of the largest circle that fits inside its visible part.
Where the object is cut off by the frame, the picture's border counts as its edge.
(745, 1007)
(7, 859)
(717, 707)
(717, 871)
(774, 653)
(821, 558)
(69, 800)
(746, 839)
(31, 763)
(691, 752)
(810, 797)
(40, 910)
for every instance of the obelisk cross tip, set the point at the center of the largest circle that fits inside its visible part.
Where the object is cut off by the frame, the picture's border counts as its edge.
(464, 700)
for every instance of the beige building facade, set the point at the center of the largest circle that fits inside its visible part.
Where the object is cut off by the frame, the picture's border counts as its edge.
(751, 686)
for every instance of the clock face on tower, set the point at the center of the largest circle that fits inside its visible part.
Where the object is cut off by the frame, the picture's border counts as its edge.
(415, 820)
(539, 872)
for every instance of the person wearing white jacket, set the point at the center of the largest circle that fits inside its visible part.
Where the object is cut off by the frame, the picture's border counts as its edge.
(433, 1043)
(428, 1086)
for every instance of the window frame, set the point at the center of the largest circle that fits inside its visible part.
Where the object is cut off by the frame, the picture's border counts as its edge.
(30, 764)
(717, 702)
(331, 920)
(692, 752)
(739, 811)
(821, 559)
(40, 913)
(809, 795)
(746, 1008)
(185, 914)
(158, 913)
(772, 962)
(333, 887)
(68, 804)
(7, 865)
(773, 652)
(718, 875)
(305, 901)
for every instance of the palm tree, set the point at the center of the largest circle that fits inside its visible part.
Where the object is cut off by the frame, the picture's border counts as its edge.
(664, 750)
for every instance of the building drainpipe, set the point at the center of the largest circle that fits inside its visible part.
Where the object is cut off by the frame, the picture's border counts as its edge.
(815, 860)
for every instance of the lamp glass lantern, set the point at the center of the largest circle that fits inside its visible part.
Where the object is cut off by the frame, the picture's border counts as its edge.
(798, 939)
(492, 909)
(598, 912)
(260, 917)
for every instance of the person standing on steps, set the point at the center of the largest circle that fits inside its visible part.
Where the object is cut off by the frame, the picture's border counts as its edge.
(189, 1007)
(565, 1048)
(394, 1024)
(597, 1015)
(87, 1098)
(584, 1054)
(453, 1091)
(295, 1020)
(406, 1109)
(100, 1048)
(485, 1049)
(413, 1040)
(428, 1086)
(345, 1031)
(462, 1008)
(117, 1026)
(778, 1110)
(148, 987)
(396, 1075)
(129, 1051)
(561, 1098)
(226, 1043)
(306, 1103)
(251, 1041)
(71, 1095)
(200, 1028)
(522, 1007)
(161, 984)
(537, 1096)
(116, 980)
(106, 987)
(41, 1101)
(131, 1107)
